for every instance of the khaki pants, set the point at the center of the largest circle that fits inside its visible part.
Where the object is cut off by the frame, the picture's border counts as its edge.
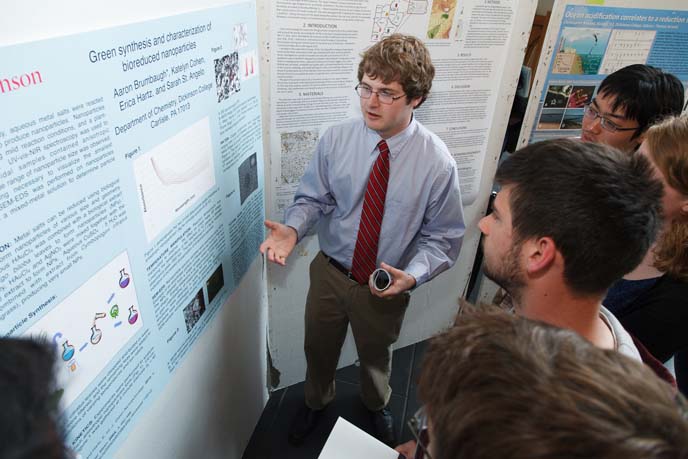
(335, 301)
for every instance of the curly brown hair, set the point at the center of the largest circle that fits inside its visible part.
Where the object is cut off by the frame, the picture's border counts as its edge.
(500, 385)
(401, 58)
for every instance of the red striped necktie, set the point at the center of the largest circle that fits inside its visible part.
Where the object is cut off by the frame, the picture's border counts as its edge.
(365, 252)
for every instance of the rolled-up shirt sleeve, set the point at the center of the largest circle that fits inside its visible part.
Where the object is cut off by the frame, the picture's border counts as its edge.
(313, 198)
(439, 240)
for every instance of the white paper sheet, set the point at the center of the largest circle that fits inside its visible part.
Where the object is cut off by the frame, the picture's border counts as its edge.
(346, 441)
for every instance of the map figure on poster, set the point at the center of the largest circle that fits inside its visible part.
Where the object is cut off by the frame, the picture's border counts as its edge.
(441, 19)
(389, 17)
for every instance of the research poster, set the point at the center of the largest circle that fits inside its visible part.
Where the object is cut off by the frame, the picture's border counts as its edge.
(591, 43)
(315, 50)
(131, 202)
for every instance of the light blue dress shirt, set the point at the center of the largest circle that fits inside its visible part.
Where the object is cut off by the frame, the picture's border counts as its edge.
(423, 222)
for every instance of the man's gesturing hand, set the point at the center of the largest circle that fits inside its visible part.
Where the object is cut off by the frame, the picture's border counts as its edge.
(279, 243)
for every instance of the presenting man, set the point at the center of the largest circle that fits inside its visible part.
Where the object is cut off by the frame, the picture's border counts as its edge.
(628, 102)
(385, 193)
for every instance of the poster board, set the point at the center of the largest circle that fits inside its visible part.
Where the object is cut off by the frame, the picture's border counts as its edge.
(588, 40)
(132, 203)
(477, 47)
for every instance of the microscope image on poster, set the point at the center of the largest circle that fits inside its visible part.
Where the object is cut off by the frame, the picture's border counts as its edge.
(194, 310)
(173, 175)
(91, 326)
(240, 36)
(248, 177)
(227, 76)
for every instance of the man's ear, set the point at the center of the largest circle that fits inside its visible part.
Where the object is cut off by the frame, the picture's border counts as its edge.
(684, 207)
(540, 253)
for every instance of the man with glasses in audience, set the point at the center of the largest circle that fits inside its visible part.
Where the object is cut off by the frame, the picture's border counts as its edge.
(629, 101)
(501, 386)
(384, 192)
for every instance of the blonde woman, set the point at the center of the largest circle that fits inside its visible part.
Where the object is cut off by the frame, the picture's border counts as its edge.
(652, 300)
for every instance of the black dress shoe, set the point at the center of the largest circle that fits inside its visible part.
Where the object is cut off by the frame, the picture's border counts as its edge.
(384, 426)
(303, 424)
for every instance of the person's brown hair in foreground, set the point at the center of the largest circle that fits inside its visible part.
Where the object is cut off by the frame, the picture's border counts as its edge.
(30, 422)
(497, 385)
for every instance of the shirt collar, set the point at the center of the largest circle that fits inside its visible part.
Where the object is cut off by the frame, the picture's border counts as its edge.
(395, 143)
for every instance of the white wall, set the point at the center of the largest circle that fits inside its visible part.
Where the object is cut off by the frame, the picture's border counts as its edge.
(213, 400)
(216, 396)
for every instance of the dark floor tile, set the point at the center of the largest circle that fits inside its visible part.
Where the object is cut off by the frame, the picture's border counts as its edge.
(271, 409)
(402, 361)
(275, 441)
(401, 369)
(349, 374)
(273, 444)
(412, 405)
(349, 406)
(396, 406)
(269, 439)
(257, 445)
(419, 350)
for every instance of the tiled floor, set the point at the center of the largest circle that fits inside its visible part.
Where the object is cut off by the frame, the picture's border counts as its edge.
(269, 439)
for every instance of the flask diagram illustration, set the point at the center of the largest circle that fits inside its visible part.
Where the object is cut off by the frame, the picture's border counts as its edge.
(91, 326)
(96, 334)
(133, 315)
(67, 351)
(123, 278)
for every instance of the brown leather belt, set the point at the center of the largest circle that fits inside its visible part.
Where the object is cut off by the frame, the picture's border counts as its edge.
(339, 266)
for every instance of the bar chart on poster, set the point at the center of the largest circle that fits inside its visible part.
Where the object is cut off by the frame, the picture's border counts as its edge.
(131, 202)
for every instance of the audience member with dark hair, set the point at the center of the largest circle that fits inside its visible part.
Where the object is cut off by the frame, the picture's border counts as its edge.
(652, 300)
(500, 386)
(570, 219)
(28, 424)
(629, 101)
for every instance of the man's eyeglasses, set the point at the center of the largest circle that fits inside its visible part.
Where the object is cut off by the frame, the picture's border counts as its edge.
(418, 425)
(592, 114)
(365, 92)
